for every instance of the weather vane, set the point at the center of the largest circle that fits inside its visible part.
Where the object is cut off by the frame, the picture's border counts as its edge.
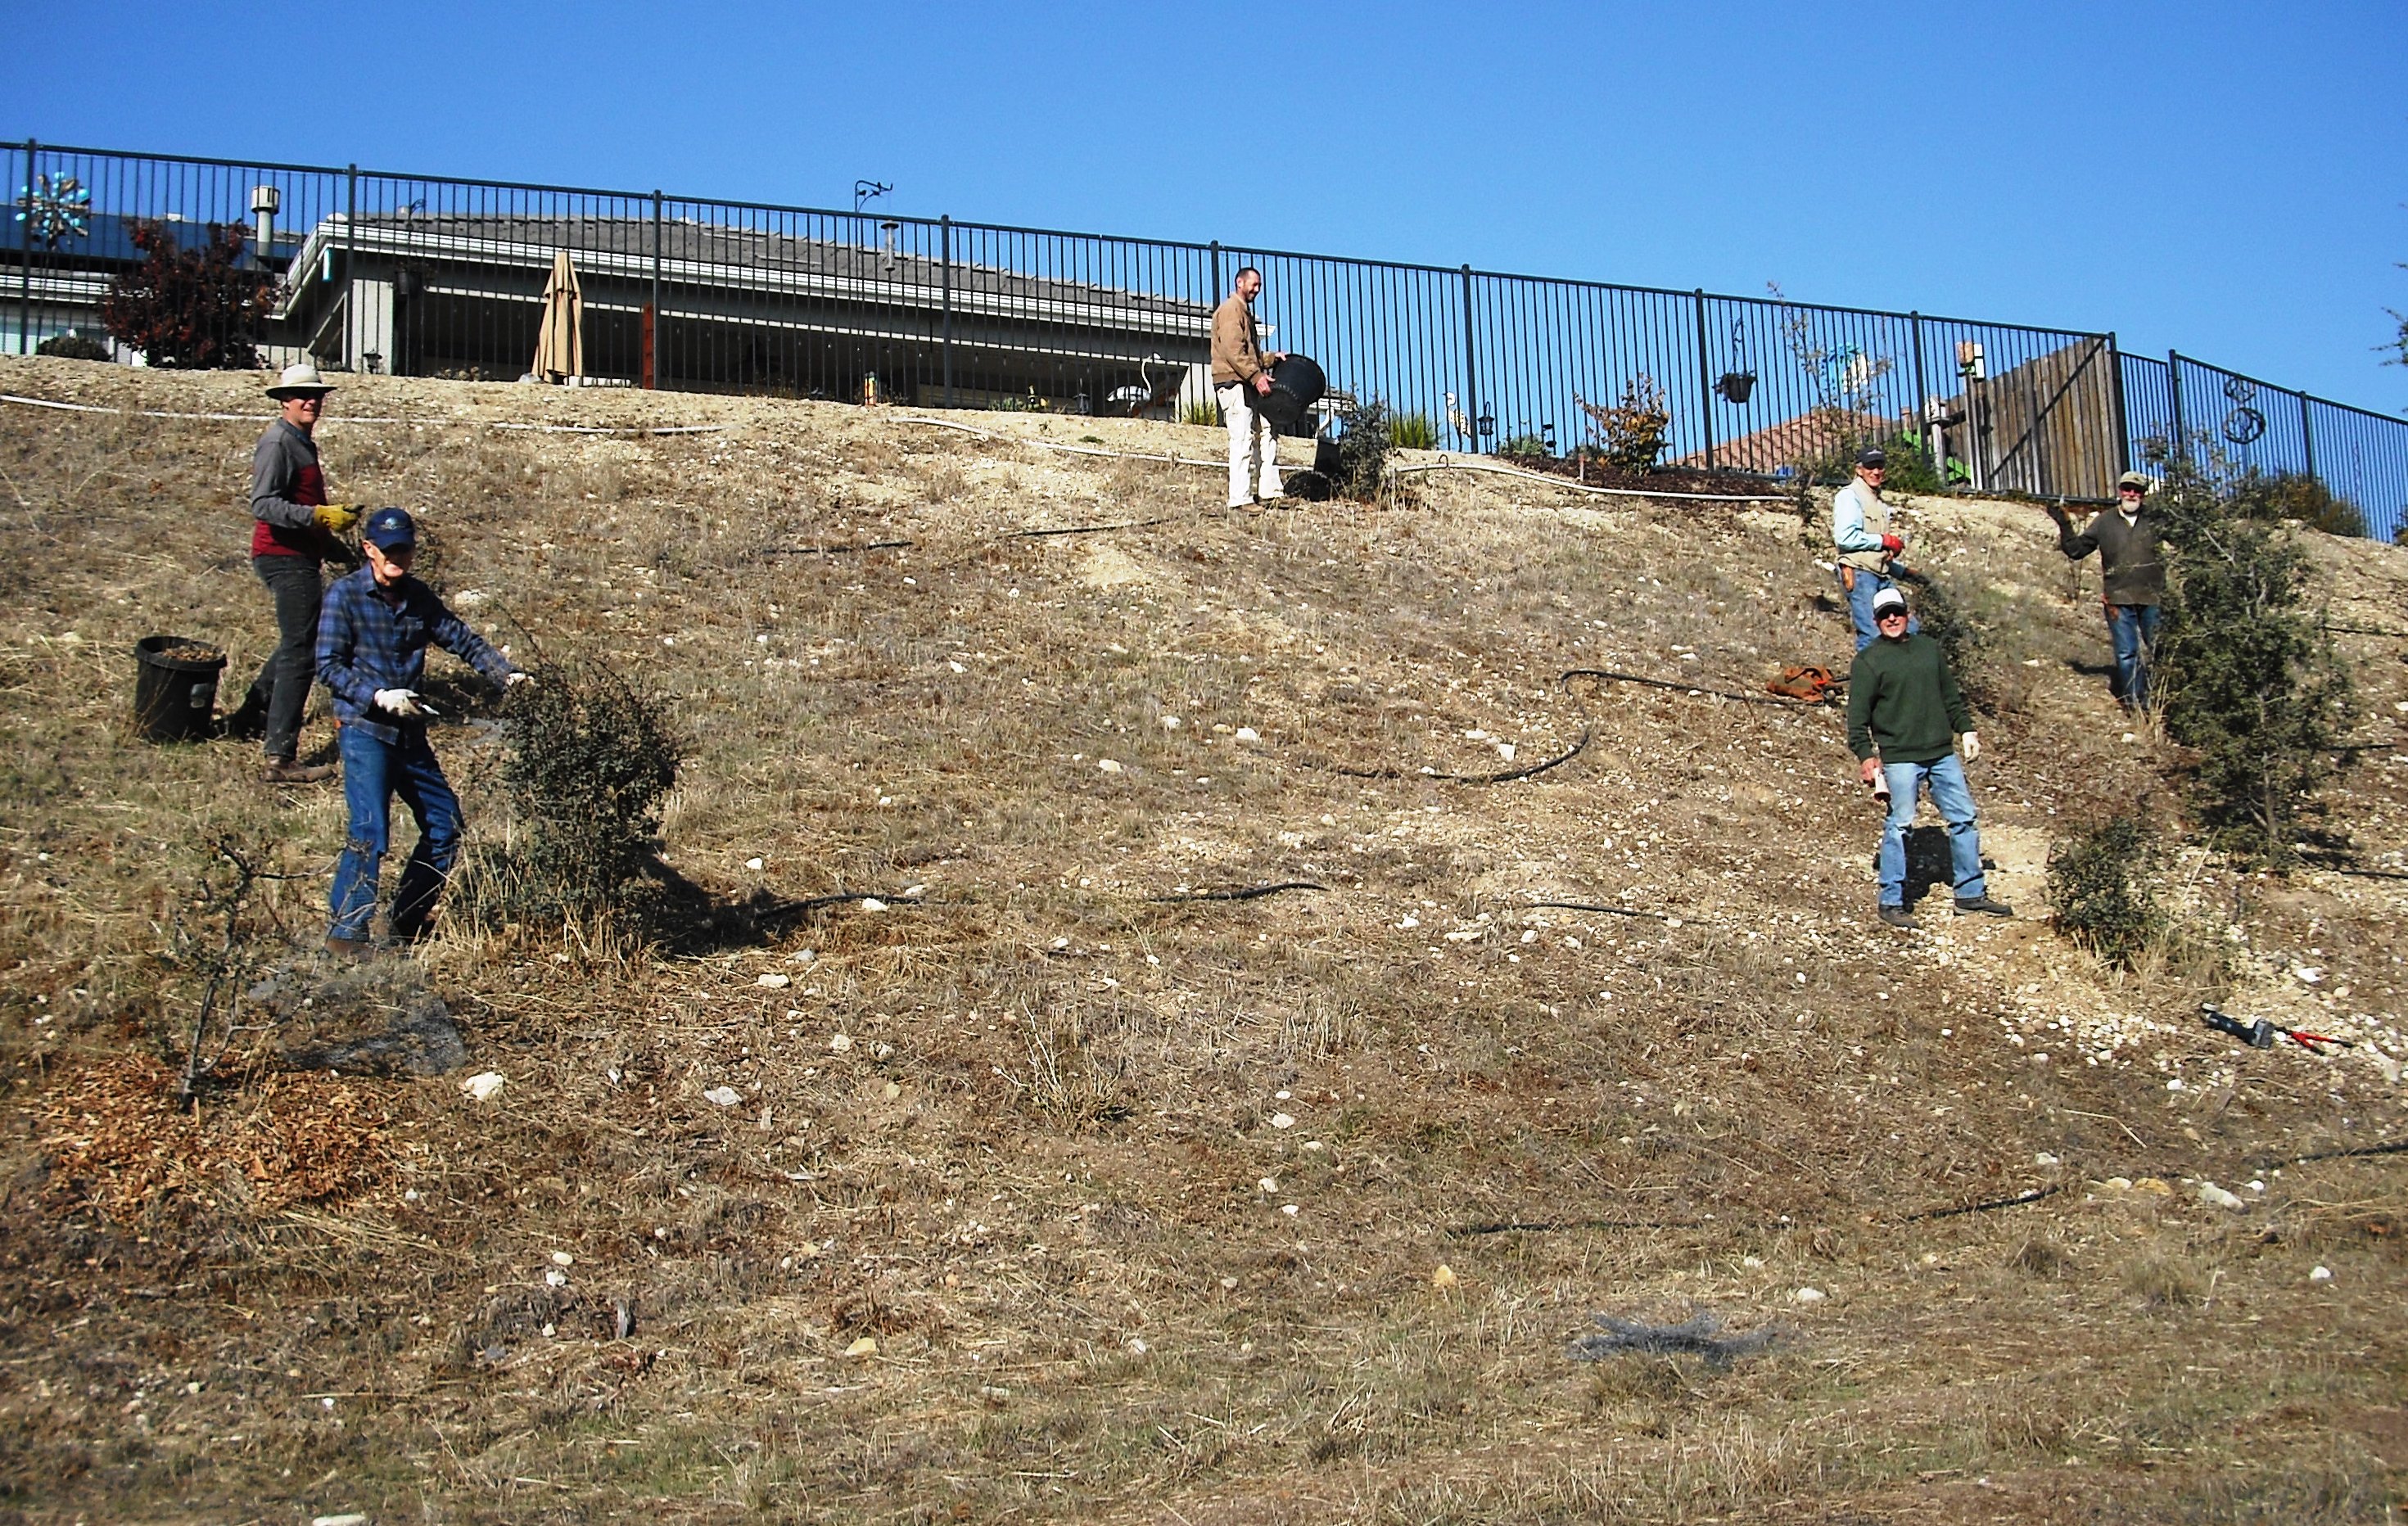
(55, 208)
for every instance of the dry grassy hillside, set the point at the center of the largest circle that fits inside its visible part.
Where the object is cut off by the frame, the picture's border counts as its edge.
(1052, 1192)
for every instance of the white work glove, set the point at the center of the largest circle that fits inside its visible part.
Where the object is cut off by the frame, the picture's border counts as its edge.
(1972, 745)
(515, 679)
(404, 703)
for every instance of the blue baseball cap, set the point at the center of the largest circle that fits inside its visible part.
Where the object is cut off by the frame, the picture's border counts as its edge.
(390, 528)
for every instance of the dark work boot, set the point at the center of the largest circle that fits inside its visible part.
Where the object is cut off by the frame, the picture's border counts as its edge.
(285, 771)
(1899, 917)
(1968, 905)
(248, 722)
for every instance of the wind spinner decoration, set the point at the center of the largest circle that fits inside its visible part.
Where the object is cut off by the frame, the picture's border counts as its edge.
(55, 206)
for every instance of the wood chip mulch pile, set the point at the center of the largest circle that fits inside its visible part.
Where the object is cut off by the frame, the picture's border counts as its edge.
(117, 1140)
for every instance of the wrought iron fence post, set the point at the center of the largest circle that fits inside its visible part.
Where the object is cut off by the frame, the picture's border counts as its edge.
(946, 224)
(1705, 385)
(1470, 367)
(1214, 295)
(1923, 424)
(2123, 427)
(2174, 391)
(651, 358)
(25, 260)
(351, 260)
(2307, 434)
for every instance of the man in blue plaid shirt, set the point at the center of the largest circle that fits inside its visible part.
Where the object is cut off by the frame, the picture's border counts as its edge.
(372, 639)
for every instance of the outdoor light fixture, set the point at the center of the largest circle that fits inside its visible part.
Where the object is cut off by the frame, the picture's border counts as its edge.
(1487, 424)
(266, 200)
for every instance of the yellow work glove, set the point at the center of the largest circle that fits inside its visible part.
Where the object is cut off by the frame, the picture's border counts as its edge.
(336, 519)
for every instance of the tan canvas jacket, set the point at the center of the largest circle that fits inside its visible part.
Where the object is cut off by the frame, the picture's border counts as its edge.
(1236, 357)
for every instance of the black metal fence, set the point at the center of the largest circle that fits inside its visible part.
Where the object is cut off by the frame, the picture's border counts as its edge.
(438, 276)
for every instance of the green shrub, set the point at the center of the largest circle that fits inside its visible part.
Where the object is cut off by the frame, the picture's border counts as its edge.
(1525, 448)
(1413, 431)
(1630, 435)
(1965, 645)
(2245, 675)
(2100, 887)
(1911, 467)
(1203, 411)
(1363, 446)
(586, 764)
(2296, 495)
(73, 345)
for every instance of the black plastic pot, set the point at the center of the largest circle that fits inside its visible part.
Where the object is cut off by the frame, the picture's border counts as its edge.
(1735, 385)
(1296, 384)
(175, 698)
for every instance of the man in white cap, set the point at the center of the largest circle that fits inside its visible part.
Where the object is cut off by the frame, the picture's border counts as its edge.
(1906, 719)
(295, 530)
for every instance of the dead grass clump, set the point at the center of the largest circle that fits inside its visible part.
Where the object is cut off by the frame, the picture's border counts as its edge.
(2165, 1281)
(115, 1140)
(2041, 1259)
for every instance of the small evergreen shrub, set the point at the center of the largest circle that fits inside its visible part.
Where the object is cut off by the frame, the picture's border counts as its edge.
(1413, 431)
(1363, 446)
(2100, 887)
(2296, 495)
(2245, 675)
(73, 345)
(587, 762)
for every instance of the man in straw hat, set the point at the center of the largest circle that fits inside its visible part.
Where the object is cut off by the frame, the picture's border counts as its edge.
(2130, 544)
(295, 529)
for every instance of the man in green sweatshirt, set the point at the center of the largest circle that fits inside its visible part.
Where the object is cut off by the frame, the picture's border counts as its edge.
(1905, 714)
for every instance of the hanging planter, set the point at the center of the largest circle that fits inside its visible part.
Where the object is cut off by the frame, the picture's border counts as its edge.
(1738, 382)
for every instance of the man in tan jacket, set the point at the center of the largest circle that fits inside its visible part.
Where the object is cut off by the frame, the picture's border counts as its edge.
(1239, 376)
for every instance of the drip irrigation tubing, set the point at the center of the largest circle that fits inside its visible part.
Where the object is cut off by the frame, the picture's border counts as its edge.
(1616, 911)
(1085, 529)
(2396, 1147)
(1249, 892)
(1554, 482)
(1057, 445)
(1589, 730)
(841, 550)
(263, 420)
(2035, 1195)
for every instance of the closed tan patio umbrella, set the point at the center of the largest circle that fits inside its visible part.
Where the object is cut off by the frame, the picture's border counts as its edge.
(559, 343)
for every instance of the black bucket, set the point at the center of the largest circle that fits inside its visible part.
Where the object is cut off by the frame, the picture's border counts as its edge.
(1296, 384)
(175, 688)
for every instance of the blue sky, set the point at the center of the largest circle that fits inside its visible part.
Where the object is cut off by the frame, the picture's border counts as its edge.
(2225, 179)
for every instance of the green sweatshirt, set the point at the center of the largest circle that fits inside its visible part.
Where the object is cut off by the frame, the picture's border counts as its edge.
(1904, 702)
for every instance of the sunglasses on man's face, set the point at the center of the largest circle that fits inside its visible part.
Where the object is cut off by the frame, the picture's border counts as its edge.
(1891, 614)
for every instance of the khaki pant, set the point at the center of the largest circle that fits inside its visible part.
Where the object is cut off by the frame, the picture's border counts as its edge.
(1254, 449)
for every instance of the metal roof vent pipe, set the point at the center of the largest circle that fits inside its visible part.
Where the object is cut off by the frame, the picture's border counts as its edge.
(266, 201)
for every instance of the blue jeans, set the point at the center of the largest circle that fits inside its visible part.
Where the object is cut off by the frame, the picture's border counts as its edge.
(1861, 607)
(373, 773)
(1954, 801)
(2133, 628)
